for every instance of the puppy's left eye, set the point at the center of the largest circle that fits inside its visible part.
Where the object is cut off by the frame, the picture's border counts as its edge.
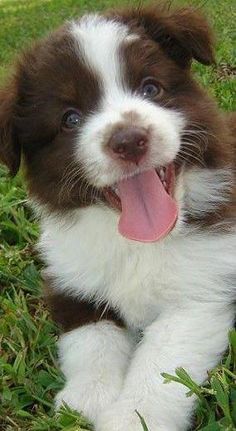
(150, 88)
(71, 119)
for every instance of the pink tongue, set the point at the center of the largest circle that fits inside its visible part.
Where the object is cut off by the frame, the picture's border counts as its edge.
(148, 211)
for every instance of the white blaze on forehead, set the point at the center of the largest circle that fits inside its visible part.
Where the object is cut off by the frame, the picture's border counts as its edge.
(99, 41)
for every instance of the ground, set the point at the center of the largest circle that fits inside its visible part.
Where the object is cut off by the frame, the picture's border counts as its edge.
(29, 376)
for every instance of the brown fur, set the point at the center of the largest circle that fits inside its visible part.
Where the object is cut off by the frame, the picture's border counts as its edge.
(9, 144)
(70, 313)
(184, 34)
(45, 84)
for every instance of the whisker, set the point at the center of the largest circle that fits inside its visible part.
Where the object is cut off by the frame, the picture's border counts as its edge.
(191, 155)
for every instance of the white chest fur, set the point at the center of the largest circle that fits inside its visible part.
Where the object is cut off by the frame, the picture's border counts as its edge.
(91, 260)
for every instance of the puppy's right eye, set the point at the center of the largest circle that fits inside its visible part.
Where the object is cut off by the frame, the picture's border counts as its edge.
(71, 119)
(150, 88)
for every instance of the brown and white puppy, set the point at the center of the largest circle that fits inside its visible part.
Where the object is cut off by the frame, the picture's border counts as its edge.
(130, 166)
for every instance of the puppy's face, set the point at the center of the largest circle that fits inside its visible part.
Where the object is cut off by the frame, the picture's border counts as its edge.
(106, 99)
(130, 127)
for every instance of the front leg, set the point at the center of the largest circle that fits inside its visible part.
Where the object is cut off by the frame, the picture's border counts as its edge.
(94, 360)
(94, 353)
(194, 339)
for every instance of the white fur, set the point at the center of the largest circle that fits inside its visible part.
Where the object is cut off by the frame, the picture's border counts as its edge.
(206, 189)
(99, 41)
(165, 128)
(87, 356)
(91, 259)
(178, 291)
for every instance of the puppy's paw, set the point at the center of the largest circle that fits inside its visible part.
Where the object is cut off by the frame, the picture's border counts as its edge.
(119, 417)
(70, 396)
(88, 399)
(122, 416)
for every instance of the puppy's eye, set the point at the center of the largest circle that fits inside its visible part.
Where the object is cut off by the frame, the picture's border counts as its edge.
(71, 119)
(150, 88)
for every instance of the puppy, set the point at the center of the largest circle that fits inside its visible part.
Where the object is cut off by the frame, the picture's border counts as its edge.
(130, 167)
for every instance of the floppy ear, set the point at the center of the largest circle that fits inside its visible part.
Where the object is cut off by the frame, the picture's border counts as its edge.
(183, 33)
(9, 146)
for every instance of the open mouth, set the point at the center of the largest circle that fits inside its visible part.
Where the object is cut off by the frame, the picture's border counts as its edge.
(165, 173)
(148, 209)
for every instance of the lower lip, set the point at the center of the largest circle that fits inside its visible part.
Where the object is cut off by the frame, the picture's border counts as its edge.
(112, 198)
(170, 178)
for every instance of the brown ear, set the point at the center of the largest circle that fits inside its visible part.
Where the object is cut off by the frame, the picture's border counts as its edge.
(183, 33)
(9, 146)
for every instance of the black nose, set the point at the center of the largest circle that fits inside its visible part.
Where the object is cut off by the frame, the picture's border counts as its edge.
(130, 143)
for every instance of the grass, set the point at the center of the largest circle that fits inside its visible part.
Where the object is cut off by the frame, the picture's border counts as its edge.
(29, 376)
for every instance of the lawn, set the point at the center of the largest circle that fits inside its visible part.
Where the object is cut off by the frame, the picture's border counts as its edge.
(29, 376)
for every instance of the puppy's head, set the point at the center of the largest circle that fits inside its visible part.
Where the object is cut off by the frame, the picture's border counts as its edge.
(106, 105)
